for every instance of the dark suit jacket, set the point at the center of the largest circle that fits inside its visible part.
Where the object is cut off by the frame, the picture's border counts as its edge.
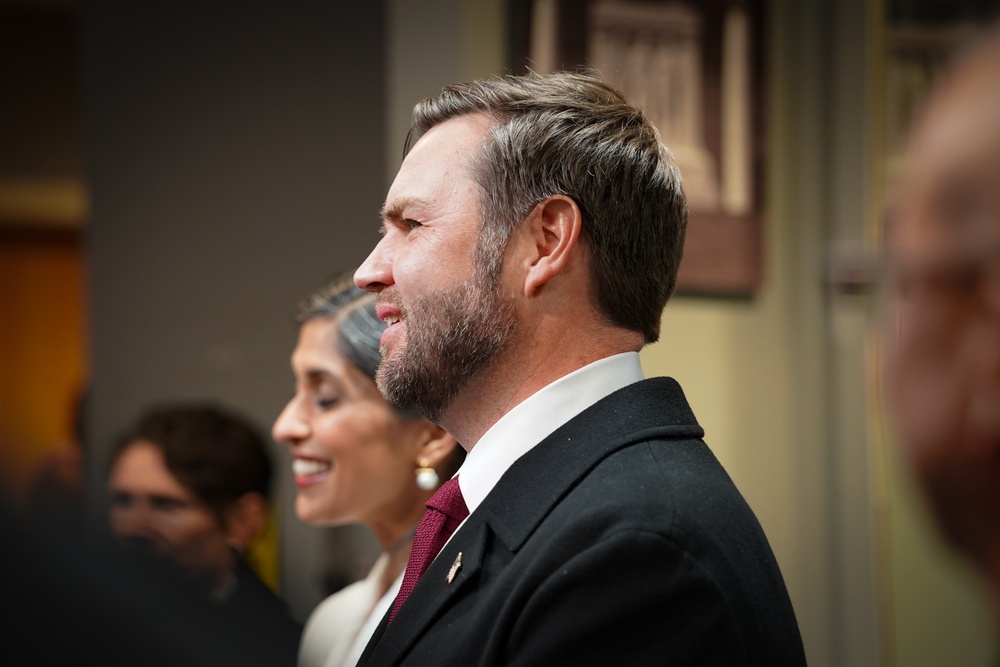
(255, 612)
(618, 540)
(69, 600)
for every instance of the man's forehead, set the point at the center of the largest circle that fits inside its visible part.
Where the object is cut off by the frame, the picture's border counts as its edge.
(957, 134)
(438, 171)
(949, 188)
(456, 141)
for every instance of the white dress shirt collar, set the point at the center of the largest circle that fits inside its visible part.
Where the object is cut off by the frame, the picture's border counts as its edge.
(532, 420)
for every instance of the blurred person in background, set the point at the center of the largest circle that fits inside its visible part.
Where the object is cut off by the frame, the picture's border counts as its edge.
(356, 460)
(56, 498)
(942, 329)
(190, 482)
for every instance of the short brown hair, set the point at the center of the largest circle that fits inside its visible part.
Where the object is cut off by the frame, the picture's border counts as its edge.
(572, 134)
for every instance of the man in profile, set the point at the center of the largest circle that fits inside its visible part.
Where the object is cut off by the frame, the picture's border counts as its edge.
(942, 335)
(531, 240)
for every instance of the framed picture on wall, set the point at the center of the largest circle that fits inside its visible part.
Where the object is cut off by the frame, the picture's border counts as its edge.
(695, 68)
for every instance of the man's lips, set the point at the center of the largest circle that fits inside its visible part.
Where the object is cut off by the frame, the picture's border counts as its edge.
(386, 312)
(393, 318)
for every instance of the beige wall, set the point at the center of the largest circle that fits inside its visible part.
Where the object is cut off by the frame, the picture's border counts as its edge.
(938, 608)
(469, 42)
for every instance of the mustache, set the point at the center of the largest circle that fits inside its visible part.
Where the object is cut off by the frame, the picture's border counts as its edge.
(390, 297)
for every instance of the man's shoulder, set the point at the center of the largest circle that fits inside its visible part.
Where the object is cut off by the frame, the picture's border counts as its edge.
(634, 460)
(659, 398)
(675, 488)
(648, 409)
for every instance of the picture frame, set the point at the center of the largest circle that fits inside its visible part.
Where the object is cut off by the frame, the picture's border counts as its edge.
(695, 68)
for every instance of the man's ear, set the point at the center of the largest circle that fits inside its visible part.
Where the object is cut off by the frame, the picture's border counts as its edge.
(553, 227)
(245, 519)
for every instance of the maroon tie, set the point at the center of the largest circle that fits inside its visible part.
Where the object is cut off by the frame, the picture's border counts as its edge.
(445, 511)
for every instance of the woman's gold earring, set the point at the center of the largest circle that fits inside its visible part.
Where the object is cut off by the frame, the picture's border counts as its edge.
(427, 477)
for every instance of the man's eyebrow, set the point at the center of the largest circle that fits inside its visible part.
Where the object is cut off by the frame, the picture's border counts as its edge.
(394, 210)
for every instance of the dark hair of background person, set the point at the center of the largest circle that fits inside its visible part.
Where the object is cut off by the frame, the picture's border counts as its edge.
(573, 135)
(212, 451)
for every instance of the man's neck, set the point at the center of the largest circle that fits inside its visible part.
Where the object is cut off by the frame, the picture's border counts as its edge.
(520, 373)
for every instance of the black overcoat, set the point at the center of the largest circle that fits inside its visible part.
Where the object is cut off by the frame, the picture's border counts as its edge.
(618, 540)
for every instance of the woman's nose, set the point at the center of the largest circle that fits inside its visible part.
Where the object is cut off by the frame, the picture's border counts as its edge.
(289, 427)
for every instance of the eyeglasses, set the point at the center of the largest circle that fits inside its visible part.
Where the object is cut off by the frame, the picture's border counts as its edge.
(937, 301)
(923, 294)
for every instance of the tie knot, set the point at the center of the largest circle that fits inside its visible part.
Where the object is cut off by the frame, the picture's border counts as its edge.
(449, 501)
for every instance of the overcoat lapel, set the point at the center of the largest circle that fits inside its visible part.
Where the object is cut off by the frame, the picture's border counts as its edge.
(653, 409)
(431, 596)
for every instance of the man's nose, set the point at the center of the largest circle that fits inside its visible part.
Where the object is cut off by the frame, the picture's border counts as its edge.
(375, 273)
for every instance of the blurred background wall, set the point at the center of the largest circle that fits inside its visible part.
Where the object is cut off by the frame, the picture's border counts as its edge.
(173, 178)
(234, 162)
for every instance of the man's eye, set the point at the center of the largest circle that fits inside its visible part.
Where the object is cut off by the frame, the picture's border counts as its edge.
(956, 278)
(410, 224)
(327, 403)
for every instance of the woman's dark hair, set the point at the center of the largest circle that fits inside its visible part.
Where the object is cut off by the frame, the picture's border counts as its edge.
(215, 453)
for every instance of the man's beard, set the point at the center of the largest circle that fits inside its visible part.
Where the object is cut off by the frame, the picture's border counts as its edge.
(450, 336)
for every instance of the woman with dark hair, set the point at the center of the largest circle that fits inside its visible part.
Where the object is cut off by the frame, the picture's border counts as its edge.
(190, 481)
(356, 460)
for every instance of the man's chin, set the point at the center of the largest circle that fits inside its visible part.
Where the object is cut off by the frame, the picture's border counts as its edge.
(388, 373)
(392, 387)
(411, 393)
